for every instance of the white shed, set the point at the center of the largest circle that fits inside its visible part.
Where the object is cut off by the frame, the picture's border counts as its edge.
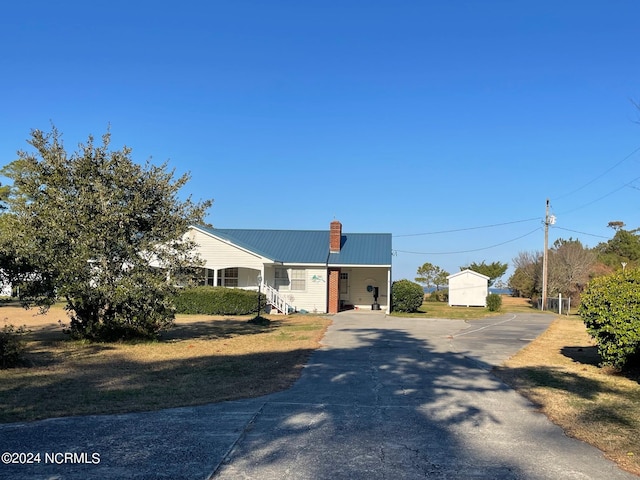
(468, 288)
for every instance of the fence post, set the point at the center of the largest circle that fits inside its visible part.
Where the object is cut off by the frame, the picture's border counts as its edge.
(559, 304)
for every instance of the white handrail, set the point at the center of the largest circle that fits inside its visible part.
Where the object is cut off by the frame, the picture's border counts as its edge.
(274, 298)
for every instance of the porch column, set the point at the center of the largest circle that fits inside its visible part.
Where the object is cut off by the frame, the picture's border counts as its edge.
(389, 291)
(215, 277)
(333, 301)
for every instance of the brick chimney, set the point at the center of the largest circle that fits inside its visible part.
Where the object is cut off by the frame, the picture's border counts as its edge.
(335, 235)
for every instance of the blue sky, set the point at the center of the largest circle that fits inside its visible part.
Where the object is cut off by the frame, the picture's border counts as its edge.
(408, 117)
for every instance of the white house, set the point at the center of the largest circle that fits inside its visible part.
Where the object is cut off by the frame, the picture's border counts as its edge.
(321, 271)
(5, 285)
(468, 288)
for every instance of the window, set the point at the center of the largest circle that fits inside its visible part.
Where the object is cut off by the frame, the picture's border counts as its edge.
(229, 277)
(298, 279)
(205, 277)
(281, 278)
(209, 276)
(344, 283)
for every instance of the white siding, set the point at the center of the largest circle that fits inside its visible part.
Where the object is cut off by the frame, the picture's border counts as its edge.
(314, 296)
(469, 289)
(218, 254)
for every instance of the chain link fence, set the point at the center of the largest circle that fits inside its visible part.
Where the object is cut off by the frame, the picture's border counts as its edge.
(560, 305)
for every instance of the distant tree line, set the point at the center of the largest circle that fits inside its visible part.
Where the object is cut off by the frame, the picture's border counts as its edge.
(571, 265)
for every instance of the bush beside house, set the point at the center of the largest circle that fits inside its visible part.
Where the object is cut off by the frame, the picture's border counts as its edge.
(218, 301)
(406, 296)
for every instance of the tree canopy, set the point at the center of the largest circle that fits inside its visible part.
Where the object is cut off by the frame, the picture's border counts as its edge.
(431, 275)
(623, 247)
(99, 231)
(492, 270)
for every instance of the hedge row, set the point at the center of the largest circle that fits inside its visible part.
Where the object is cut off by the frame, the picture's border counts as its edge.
(218, 301)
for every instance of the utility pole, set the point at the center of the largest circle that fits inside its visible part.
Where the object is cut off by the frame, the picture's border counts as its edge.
(548, 220)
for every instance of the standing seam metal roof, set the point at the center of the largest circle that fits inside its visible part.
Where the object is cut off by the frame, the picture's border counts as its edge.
(310, 246)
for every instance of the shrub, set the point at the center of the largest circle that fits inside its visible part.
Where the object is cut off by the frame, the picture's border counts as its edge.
(141, 309)
(218, 301)
(438, 296)
(494, 302)
(610, 308)
(11, 345)
(406, 296)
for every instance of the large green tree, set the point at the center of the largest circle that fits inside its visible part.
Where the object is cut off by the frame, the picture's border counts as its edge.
(101, 232)
(492, 270)
(624, 247)
(13, 266)
(431, 275)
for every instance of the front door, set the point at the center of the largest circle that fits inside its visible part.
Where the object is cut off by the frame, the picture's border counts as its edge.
(344, 289)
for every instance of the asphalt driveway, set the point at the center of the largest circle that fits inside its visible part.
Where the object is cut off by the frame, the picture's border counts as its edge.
(384, 398)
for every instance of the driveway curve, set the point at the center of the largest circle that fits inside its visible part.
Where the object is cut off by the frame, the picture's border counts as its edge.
(385, 397)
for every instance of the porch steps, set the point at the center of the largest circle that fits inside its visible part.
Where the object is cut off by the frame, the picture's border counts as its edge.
(276, 300)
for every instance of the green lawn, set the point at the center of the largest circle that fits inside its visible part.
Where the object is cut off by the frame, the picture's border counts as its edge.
(443, 310)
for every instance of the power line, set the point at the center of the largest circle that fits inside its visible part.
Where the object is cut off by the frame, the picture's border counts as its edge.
(599, 176)
(468, 228)
(474, 250)
(628, 184)
(581, 233)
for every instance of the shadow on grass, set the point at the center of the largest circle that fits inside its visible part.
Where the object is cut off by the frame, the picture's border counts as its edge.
(185, 367)
(587, 355)
(118, 384)
(183, 330)
(555, 378)
(215, 329)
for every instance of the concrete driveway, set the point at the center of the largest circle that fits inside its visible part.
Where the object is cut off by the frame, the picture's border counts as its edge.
(385, 398)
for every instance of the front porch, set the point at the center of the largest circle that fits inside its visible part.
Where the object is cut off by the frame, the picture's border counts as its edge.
(359, 288)
(310, 289)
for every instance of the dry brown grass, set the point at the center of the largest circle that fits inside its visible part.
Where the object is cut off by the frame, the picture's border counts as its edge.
(202, 360)
(515, 302)
(559, 372)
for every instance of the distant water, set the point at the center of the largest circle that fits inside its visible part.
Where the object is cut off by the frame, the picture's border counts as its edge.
(499, 291)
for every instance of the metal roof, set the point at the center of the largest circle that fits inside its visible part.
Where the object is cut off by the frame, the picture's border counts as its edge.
(310, 246)
(363, 249)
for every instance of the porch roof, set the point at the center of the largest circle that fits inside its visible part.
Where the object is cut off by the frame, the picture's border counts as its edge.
(310, 246)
